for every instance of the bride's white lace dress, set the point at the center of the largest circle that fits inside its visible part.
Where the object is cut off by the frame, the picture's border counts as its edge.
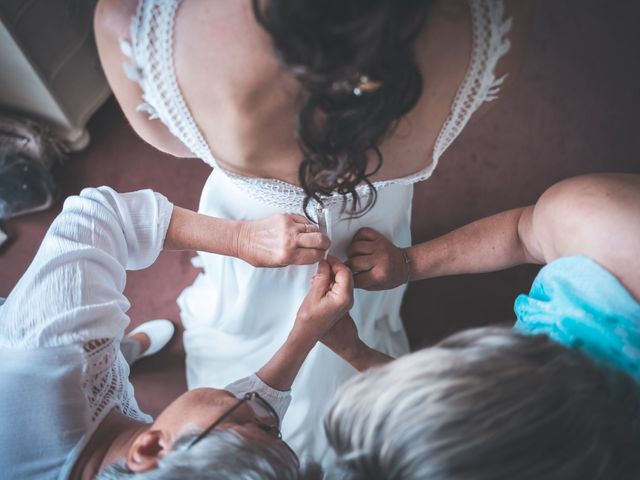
(235, 315)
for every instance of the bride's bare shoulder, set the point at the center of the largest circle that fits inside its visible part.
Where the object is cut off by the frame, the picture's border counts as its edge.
(113, 17)
(112, 23)
(222, 38)
(225, 62)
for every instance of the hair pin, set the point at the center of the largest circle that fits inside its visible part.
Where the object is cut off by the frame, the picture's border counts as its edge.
(358, 85)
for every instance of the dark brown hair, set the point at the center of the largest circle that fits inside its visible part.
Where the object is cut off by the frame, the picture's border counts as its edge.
(331, 41)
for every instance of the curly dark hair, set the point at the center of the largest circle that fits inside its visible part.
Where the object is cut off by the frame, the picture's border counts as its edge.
(331, 42)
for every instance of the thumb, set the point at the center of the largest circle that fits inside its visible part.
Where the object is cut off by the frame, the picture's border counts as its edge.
(322, 279)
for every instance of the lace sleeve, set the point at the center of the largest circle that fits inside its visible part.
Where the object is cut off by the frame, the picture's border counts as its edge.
(278, 399)
(105, 381)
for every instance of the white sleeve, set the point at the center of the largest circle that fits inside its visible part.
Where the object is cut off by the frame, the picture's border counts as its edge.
(278, 399)
(73, 290)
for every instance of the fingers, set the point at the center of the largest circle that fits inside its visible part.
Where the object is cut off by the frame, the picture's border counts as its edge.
(307, 256)
(360, 248)
(363, 243)
(302, 224)
(364, 280)
(300, 219)
(321, 281)
(366, 234)
(337, 267)
(361, 264)
(309, 236)
(303, 228)
(333, 261)
(313, 240)
(324, 269)
(342, 279)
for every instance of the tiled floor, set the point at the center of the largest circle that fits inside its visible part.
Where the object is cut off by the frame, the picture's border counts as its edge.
(574, 109)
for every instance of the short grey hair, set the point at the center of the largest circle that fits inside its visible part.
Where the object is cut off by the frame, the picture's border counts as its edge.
(221, 455)
(487, 404)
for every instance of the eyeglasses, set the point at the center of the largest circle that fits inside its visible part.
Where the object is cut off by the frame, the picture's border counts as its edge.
(261, 408)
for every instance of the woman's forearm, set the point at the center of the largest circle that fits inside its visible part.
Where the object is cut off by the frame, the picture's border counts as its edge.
(189, 230)
(364, 357)
(281, 370)
(487, 245)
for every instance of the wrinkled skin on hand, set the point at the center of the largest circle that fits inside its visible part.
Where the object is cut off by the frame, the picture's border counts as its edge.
(329, 299)
(281, 240)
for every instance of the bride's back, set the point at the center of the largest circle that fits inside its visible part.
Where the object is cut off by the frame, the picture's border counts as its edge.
(245, 103)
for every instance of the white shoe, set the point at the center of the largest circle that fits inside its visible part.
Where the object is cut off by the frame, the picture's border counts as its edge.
(159, 333)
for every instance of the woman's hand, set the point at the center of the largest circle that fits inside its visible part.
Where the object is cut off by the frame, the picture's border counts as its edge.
(280, 240)
(330, 297)
(377, 264)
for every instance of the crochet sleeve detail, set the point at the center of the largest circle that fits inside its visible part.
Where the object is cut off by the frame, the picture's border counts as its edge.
(105, 381)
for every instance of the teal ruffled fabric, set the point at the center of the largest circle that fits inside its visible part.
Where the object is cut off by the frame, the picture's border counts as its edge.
(578, 303)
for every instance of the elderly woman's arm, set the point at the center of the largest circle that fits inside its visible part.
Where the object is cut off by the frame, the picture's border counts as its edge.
(330, 297)
(490, 244)
(73, 290)
(275, 241)
(79, 272)
(344, 341)
(592, 215)
(493, 243)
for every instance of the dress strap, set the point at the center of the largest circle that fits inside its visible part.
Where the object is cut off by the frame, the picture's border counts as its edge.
(152, 66)
(480, 85)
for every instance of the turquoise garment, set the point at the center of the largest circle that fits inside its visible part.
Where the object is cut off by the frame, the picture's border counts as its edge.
(578, 303)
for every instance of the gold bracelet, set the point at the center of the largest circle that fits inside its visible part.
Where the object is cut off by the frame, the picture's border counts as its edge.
(407, 262)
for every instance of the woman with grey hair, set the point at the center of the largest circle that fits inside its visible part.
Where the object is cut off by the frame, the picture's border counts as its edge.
(557, 397)
(68, 408)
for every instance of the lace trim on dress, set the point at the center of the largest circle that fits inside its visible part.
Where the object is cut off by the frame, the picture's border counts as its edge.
(480, 85)
(106, 383)
(151, 51)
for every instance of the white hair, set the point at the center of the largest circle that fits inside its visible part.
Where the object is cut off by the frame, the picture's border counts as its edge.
(221, 455)
(487, 404)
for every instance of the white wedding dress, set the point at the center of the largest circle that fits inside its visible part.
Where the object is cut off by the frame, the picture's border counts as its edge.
(236, 316)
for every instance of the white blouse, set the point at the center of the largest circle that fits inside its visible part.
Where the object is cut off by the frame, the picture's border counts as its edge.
(61, 369)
